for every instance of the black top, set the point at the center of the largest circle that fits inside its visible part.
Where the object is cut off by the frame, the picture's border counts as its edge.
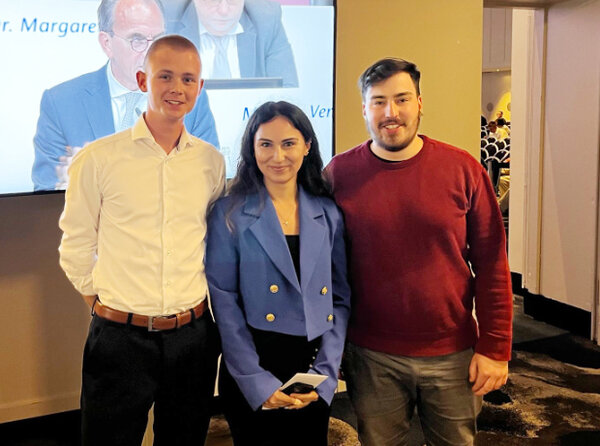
(293, 242)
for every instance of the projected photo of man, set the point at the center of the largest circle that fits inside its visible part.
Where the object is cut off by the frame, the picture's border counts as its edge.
(237, 38)
(108, 100)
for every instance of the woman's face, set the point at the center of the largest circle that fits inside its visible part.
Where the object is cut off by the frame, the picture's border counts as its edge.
(279, 149)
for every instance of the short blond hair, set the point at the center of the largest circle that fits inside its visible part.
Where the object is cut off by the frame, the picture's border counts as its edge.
(172, 41)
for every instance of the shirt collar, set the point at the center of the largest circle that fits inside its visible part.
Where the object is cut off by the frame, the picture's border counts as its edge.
(140, 131)
(185, 140)
(114, 86)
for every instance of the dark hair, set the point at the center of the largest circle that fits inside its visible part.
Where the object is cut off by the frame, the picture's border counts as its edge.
(384, 69)
(172, 41)
(249, 179)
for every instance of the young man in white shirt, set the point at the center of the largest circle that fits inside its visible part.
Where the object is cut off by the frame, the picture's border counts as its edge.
(133, 245)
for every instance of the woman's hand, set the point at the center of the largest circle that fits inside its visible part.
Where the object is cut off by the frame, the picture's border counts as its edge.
(305, 398)
(280, 399)
(293, 401)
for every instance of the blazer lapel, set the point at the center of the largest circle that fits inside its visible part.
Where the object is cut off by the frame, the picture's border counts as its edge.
(97, 106)
(246, 47)
(188, 26)
(267, 231)
(312, 233)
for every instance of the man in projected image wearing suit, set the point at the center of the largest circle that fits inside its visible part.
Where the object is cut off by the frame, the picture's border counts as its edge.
(134, 227)
(237, 38)
(427, 246)
(97, 104)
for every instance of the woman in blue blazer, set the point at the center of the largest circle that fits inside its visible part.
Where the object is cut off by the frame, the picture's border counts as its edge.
(276, 266)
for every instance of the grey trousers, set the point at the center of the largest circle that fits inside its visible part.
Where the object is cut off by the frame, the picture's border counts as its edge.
(384, 390)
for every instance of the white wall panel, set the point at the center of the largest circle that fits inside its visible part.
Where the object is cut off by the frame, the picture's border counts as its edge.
(497, 37)
(569, 206)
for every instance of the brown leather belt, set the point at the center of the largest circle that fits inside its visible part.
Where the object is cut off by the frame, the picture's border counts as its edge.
(152, 323)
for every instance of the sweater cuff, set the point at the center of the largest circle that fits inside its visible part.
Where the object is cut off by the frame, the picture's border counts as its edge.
(494, 347)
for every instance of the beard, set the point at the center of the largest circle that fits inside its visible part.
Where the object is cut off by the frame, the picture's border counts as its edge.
(398, 142)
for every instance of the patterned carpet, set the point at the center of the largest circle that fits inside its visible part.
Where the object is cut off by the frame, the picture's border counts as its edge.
(552, 397)
(340, 433)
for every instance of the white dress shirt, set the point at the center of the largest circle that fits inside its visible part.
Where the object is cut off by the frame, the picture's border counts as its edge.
(208, 48)
(134, 221)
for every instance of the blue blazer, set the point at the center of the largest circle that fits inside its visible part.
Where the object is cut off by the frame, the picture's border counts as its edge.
(252, 279)
(79, 111)
(263, 47)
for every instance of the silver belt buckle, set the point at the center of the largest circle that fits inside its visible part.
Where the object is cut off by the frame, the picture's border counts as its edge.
(151, 324)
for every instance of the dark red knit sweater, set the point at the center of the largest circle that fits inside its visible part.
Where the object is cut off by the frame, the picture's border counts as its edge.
(413, 228)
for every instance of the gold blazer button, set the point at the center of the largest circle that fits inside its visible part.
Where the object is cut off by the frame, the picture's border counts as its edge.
(330, 318)
(271, 317)
(273, 288)
(324, 290)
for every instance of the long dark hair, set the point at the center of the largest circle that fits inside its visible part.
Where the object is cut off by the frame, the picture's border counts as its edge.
(249, 179)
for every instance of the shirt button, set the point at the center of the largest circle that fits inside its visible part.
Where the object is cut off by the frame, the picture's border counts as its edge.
(169, 252)
(273, 288)
(324, 290)
(168, 283)
(330, 318)
(270, 317)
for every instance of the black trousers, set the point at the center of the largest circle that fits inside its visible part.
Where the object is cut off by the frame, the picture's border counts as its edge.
(127, 368)
(284, 356)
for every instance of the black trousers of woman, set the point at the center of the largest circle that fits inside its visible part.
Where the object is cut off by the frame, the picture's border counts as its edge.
(284, 356)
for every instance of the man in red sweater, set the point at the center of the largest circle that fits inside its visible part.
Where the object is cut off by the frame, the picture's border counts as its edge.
(427, 246)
